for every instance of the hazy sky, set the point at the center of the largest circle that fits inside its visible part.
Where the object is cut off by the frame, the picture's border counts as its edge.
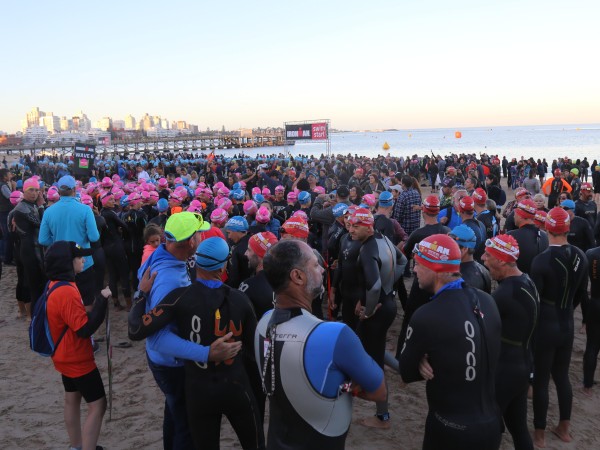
(362, 64)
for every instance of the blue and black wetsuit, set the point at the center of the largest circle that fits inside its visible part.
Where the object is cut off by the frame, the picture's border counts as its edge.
(518, 303)
(459, 330)
(560, 275)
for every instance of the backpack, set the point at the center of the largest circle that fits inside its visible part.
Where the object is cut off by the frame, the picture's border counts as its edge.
(40, 339)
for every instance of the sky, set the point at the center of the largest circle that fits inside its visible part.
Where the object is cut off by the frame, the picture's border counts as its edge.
(362, 64)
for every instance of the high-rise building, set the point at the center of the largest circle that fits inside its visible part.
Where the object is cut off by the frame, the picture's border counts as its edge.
(32, 118)
(130, 122)
(181, 125)
(104, 124)
(164, 124)
(66, 124)
(118, 124)
(50, 122)
(146, 122)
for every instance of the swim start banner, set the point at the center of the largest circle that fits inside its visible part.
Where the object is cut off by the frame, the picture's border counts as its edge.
(307, 131)
(83, 158)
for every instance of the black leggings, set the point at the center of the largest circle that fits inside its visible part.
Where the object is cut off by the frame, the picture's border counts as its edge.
(34, 276)
(207, 399)
(552, 357)
(348, 305)
(118, 269)
(373, 331)
(592, 348)
(442, 433)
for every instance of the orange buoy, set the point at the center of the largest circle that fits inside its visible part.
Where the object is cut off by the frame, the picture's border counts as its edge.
(386, 146)
(457, 134)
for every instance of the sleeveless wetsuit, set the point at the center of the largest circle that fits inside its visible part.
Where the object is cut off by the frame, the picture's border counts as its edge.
(560, 275)
(518, 303)
(202, 315)
(459, 330)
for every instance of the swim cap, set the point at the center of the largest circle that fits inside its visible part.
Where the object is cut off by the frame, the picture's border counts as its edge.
(162, 182)
(339, 210)
(212, 253)
(292, 197)
(226, 204)
(521, 192)
(300, 214)
(250, 207)
(479, 196)
(503, 247)
(266, 192)
(16, 197)
(238, 195)
(431, 205)
(369, 200)
(107, 183)
(219, 216)
(195, 206)
(386, 199)
(439, 253)
(362, 217)
(279, 188)
(134, 198)
(295, 226)
(540, 219)
(31, 183)
(104, 198)
(260, 243)
(557, 172)
(223, 192)
(87, 200)
(52, 194)
(319, 190)
(567, 204)
(558, 221)
(465, 204)
(162, 205)
(263, 215)
(255, 190)
(464, 235)
(237, 223)
(526, 209)
(304, 198)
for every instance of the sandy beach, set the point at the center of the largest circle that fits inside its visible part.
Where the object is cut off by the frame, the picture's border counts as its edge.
(31, 403)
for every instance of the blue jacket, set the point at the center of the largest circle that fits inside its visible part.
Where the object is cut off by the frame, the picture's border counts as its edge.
(165, 347)
(69, 220)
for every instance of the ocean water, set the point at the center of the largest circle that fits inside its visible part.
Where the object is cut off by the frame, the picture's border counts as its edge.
(544, 141)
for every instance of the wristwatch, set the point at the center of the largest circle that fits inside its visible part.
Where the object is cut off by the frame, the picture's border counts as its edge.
(140, 295)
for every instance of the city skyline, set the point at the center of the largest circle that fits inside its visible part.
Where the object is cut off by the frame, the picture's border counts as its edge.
(363, 66)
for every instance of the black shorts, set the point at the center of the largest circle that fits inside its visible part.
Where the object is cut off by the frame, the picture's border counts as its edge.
(90, 385)
(86, 283)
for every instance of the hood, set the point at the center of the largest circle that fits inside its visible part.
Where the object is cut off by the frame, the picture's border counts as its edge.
(59, 262)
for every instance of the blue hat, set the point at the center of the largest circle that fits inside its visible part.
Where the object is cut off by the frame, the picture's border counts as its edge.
(124, 201)
(386, 199)
(311, 174)
(237, 223)
(212, 253)
(67, 181)
(567, 204)
(162, 205)
(93, 179)
(464, 236)
(19, 184)
(236, 186)
(238, 194)
(304, 198)
(339, 210)
(259, 198)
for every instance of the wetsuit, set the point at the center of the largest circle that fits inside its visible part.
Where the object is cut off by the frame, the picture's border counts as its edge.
(460, 332)
(99, 255)
(532, 242)
(476, 275)
(480, 234)
(591, 318)
(580, 234)
(518, 303)
(203, 312)
(237, 267)
(382, 265)
(345, 279)
(136, 221)
(260, 293)
(310, 359)
(417, 297)
(587, 210)
(560, 275)
(114, 249)
(490, 223)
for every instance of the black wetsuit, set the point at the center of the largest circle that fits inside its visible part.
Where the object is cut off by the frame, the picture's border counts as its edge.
(476, 275)
(532, 242)
(114, 250)
(480, 234)
(260, 293)
(203, 315)
(460, 332)
(518, 303)
(580, 234)
(136, 221)
(490, 222)
(380, 265)
(591, 318)
(237, 267)
(346, 280)
(560, 275)
(587, 211)
(417, 297)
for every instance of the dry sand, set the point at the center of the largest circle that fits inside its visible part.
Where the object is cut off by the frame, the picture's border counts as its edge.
(31, 400)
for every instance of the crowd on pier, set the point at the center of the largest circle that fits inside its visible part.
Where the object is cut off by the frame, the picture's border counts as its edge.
(275, 279)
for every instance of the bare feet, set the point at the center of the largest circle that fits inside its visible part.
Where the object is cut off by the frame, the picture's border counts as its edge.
(562, 431)
(588, 392)
(539, 439)
(374, 422)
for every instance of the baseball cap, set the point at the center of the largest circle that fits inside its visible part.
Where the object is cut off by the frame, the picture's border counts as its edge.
(343, 191)
(567, 204)
(431, 204)
(464, 235)
(295, 226)
(162, 205)
(237, 223)
(438, 252)
(521, 192)
(479, 196)
(67, 181)
(503, 247)
(386, 199)
(396, 187)
(465, 204)
(363, 217)
(261, 242)
(212, 253)
(60, 250)
(304, 198)
(339, 210)
(184, 225)
(526, 209)
(558, 221)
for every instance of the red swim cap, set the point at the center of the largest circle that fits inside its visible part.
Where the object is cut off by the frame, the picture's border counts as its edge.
(439, 253)
(558, 221)
(504, 247)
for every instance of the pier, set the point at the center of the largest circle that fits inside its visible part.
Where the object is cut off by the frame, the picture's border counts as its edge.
(196, 143)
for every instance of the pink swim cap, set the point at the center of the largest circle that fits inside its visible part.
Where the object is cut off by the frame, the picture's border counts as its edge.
(219, 216)
(225, 204)
(300, 213)
(163, 182)
(16, 197)
(250, 207)
(279, 188)
(369, 199)
(319, 190)
(87, 200)
(195, 206)
(31, 183)
(292, 197)
(255, 190)
(52, 194)
(198, 191)
(115, 178)
(107, 183)
(263, 215)
(266, 192)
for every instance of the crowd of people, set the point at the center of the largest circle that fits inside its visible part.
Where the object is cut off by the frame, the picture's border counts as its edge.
(276, 279)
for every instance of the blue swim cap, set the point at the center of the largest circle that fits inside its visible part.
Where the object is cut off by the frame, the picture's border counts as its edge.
(259, 198)
(386, 199)
(19, 184)
(93, 180)
(237, 223)
(304, 198)
(212, 254)
(339, 210)
(238, 194)
(162, 205)
(464, 236)
(124, 201)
